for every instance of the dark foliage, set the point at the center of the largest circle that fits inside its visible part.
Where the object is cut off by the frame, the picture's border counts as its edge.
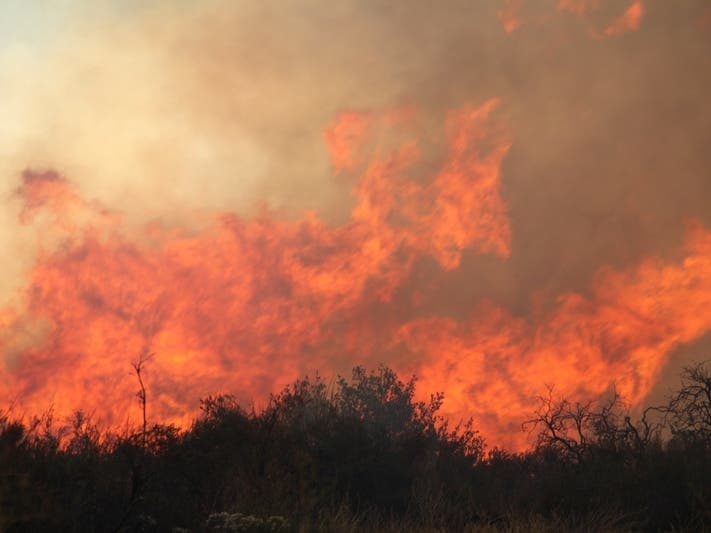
(363, 455)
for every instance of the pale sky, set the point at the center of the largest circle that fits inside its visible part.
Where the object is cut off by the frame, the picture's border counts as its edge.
(33, 23)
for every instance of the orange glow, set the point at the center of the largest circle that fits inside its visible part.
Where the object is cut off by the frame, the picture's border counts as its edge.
(509, 15)
(620, 336)
(346, 135)
(247, 305)
(630, 20)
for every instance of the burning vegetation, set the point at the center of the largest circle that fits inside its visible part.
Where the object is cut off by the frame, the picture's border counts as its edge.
(251, 304)
(508, 202)
(362, 454)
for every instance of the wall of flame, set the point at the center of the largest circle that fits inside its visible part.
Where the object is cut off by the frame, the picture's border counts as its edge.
(496, 199)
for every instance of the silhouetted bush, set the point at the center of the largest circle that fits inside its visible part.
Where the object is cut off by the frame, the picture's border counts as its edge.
(363, 455)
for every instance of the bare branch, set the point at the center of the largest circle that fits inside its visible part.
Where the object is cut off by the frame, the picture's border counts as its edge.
(144, 357)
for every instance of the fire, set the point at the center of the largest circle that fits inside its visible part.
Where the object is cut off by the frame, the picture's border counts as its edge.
(509, 15)
(628, 21)
(247, 305)
(620, 336)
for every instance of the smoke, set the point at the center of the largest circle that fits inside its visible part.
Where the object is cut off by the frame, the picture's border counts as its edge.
(170, 113)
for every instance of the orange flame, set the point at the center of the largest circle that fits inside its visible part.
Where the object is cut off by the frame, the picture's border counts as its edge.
(630, 20)
(509, 15)
(620, 336)
(247, 305)
(244, 305)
